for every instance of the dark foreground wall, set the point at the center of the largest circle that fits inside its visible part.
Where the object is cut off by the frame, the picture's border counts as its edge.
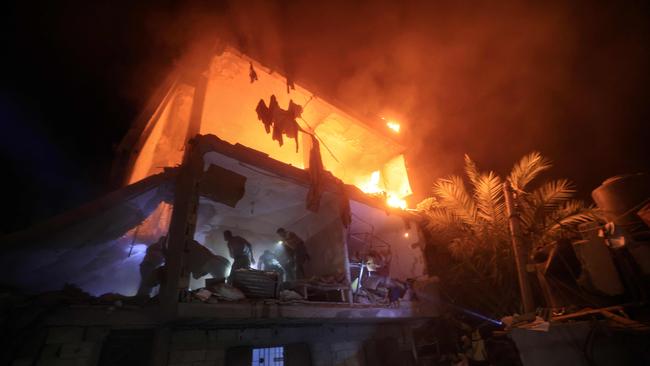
(304, 344)
(582, 344)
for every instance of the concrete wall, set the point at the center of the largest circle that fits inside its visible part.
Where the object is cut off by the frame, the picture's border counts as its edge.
(319, 345)
(78, 346)
(329, 345)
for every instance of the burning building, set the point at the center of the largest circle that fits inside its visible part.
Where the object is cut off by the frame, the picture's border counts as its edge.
(200, 161)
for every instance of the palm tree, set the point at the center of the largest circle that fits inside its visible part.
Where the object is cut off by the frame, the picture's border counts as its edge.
(470, 228)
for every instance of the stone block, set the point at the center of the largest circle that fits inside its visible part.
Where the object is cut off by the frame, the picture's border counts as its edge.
(189, 336)
(215, 354)
(77, 350)
(263, 334)
(61, 362)
(186, 356)
(352, 362)
(246, 334)
(189, 339)
(64, 335)
(23, 362)
(344, 354)
(96, 334)
(344, 346)
(50, 351)
(212, 336)
(228, 335)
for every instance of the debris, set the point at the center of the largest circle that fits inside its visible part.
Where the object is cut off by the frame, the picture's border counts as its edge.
(203, 294)
(425, 289)
(224, 291)
(254, 283)
(288, 295)
(538, 324)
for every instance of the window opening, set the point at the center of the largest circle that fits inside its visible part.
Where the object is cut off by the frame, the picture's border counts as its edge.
(273, 356)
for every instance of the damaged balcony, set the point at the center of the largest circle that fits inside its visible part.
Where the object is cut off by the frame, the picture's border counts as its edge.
(365, 259)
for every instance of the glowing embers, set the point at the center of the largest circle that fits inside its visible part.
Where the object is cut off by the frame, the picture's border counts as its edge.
(394, 126)
(372, 185)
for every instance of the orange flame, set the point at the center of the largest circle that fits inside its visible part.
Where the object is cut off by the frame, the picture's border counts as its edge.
(371, 185)
(393, 126)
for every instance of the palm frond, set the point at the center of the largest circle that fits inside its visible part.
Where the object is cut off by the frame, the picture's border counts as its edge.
(441, 219)
(452, 195)
(526, 169)
(427, 204)
(568, 216)
(552, 194)
(488, 195)
(542, 201)
(471, 170)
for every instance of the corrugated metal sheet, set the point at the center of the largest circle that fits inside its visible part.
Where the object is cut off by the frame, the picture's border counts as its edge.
(254, 283)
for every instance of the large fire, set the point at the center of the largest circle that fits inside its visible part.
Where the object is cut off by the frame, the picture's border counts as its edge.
(371, 185)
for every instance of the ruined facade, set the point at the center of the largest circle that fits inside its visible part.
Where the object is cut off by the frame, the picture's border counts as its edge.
(196, 164)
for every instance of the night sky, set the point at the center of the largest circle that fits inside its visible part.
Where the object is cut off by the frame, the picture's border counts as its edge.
(495, 80)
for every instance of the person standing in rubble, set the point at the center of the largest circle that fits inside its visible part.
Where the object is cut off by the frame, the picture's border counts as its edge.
(199, 260)
(240, 250)
(269, 262)
(294, 254)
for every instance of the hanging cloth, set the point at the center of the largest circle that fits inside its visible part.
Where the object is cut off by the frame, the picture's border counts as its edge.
(282, 122)
(315, 176)
(252, 74)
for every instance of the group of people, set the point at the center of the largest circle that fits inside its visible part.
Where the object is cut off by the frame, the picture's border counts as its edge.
(287, 259)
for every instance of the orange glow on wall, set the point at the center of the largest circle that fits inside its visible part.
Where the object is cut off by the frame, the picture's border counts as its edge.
(350, 149)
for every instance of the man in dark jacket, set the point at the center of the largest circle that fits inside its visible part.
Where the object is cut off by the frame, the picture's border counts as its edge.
(199, 260)
(295, 254)
(269, 262)
(240, 250)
